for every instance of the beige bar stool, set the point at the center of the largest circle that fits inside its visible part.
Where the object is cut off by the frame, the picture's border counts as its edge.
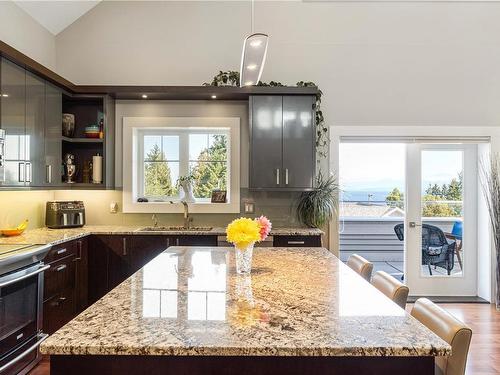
(392, 288)
(451, 330)
(361, 266)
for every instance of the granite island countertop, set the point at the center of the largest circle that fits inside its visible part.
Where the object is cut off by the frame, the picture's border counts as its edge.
(297, 302)
(56, 236)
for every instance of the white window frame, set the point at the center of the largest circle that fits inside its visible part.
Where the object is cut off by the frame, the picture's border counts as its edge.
(132, 127)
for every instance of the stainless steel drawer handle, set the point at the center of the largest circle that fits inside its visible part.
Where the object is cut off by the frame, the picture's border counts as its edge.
(296, 242)
(61, 267)
(61, 251)
(41, 338)
(41, 269)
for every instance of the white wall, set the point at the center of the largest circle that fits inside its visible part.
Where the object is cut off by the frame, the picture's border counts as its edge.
(381, 63)
(22, 32)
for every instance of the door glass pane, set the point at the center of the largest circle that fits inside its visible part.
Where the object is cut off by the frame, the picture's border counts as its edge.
(372, 206)
(442, 213)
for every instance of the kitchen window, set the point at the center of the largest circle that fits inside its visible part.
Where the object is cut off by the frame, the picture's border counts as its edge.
(158, 151)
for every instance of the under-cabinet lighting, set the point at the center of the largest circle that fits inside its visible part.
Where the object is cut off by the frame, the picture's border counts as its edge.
(214, 96)
(5, 95)
(253, 59)
(144, 96)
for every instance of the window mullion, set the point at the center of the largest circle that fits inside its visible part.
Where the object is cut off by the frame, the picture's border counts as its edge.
(184, 154)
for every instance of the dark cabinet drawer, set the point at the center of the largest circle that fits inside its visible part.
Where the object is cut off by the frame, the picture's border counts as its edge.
(61, 251)
(58, 310)
(297, 241)
(195, 240)
(60, 276)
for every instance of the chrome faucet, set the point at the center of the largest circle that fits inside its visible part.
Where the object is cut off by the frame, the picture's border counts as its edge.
(155, 220)
(187, 219)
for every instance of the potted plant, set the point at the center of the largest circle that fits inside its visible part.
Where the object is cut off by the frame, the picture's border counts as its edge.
(315, 208)
(186, 183)
(490, 182)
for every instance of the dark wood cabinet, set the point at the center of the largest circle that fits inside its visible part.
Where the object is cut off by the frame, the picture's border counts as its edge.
(297, 241)
(195, 241)
(97, 268)
(82, 274)
(145, 248)
(61, 286)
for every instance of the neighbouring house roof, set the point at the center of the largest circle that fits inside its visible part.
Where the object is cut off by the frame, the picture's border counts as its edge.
(353, 209)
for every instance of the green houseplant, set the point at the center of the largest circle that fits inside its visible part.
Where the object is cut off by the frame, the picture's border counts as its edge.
(315, 208)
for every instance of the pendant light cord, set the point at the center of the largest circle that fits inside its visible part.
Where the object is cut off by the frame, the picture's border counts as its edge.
(252, 16)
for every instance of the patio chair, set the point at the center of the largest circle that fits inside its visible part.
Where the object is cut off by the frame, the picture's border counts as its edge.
(437, 251)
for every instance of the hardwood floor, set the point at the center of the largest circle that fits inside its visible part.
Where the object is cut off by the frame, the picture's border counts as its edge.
(484, 354)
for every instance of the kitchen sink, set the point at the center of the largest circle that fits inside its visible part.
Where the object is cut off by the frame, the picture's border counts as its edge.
(175, 228)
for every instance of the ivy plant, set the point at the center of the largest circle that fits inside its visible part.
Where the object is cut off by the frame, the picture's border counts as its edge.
(232, 78)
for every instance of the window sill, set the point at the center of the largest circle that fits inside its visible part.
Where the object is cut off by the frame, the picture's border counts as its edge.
(195, 208)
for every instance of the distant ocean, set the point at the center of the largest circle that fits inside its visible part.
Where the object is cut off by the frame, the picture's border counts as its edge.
(349, 195)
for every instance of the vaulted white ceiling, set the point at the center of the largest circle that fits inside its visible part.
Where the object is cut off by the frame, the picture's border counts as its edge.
(55, 16)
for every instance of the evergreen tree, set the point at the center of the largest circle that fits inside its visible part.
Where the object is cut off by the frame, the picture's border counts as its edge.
(395, 198)
(210, 173)
(157, 178)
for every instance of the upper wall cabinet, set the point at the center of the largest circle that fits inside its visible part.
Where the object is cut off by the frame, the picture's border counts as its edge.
(282, 142)
(31, 118)
(31, 111)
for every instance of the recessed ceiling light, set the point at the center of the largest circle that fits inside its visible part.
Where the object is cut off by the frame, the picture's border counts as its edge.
(252, 67)
(248, 83)
(144, 96)
(214, 96)
(256, 43)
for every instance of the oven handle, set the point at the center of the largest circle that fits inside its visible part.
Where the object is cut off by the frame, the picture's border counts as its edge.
(41, 269)
(42, 338)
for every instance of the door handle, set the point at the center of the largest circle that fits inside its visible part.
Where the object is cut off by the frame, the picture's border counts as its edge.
(286, 176)
(28, 172)
(39, 270)
(413, 224)
(124, 246)
(40, 338)
(48, 174)
(277, 176)
(21, 172)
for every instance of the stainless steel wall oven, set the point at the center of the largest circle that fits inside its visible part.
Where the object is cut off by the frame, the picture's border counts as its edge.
(21, 308)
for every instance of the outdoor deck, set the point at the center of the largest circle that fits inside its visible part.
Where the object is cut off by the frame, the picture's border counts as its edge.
(374, 239)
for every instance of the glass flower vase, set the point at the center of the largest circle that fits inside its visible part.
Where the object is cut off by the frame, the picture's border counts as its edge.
(244, 259)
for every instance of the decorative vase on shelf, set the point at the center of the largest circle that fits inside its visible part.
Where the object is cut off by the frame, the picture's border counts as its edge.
(187, 190)
(244, 259)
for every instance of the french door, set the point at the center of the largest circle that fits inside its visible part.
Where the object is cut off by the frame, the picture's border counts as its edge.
(440, 226)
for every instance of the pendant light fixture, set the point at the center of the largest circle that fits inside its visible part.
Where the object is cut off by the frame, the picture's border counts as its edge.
(253, 56)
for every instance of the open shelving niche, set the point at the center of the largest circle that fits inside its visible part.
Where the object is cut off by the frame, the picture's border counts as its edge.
(88, 110)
